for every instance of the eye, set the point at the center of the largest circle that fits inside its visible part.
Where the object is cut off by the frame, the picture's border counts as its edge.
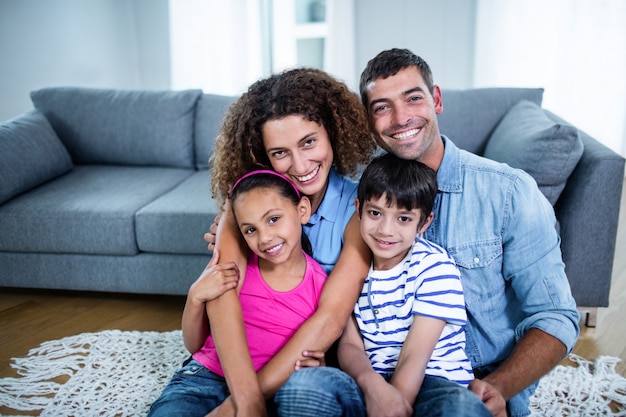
(277, 154)
(404, 219)
(415, 98)
(373, 213)
(249, 230)
(380, 108)
(273, 219)
(309, 142)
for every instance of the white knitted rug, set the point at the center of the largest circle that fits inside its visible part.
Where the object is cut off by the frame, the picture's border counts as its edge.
(120, 373)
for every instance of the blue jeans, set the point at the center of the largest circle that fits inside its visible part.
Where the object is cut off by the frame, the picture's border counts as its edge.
(327, 391)
(192, 391)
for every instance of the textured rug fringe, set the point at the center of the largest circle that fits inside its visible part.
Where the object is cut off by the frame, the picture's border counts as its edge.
(120, 373)
(589, 389)
(110, 373)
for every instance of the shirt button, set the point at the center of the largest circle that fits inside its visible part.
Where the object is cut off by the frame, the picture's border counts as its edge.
(476, 259)
(375, 311)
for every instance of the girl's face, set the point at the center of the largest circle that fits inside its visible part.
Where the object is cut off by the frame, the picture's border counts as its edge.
(301, 150)
(271, 224)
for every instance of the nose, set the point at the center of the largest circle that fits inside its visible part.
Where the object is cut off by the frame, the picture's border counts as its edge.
(265, 234)
(298, 163)
(385, 226)
(401, 115)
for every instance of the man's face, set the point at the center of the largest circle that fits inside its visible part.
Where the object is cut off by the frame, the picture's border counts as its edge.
(403, 114)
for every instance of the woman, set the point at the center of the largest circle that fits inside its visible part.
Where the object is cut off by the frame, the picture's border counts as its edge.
(308, 126)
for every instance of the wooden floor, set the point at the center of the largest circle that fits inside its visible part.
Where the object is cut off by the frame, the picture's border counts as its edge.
(29, 317)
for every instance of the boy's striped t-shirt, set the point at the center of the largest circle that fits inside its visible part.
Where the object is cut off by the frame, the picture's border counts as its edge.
(426, 282)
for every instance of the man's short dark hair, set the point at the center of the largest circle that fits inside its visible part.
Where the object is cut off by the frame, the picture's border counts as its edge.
(388, 63)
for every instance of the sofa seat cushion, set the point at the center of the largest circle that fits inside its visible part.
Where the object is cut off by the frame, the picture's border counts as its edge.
(470, 116)
(90, 210)
(527, 139)
(100, 126)
(30, 154)
(176, 221)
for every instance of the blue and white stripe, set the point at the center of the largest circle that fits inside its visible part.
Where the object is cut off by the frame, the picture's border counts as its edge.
(427, 282)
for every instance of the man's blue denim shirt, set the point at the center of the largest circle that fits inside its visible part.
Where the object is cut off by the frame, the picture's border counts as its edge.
(501, 231)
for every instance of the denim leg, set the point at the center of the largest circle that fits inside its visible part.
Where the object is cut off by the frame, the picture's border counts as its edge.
(440, 397)
(320, 391)
(192, 391)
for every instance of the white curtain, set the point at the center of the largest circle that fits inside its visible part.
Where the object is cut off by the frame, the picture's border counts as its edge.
(216, 45)
(575, 49)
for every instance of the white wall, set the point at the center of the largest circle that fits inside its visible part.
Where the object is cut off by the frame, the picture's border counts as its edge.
(441, 32)
(95, 43)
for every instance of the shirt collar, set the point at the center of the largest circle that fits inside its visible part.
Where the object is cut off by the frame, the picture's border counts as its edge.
(449, 175)
(328, 209)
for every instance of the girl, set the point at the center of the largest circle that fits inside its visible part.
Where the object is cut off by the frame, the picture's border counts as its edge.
(281, 289)
(310, 127)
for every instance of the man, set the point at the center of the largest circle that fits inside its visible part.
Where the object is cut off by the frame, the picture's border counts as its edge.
(499, 229)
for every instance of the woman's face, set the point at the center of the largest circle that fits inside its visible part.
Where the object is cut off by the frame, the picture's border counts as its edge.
(300, 149)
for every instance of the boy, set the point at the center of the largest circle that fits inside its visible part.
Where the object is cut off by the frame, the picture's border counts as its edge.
(407, 330)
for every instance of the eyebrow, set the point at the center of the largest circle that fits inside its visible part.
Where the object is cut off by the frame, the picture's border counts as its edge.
(404, 94)
(304, 138)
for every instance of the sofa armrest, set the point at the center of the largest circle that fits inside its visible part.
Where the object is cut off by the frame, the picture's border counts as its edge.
(588, 213)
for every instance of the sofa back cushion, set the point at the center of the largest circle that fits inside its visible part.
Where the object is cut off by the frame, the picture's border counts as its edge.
(30, 154)
(470, 116)
(210, 111)
(123, 127)
(527, 139)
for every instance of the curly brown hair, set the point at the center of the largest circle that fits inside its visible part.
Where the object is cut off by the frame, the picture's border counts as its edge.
(309, 92)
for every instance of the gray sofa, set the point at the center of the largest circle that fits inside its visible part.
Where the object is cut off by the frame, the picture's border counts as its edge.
(108, 190)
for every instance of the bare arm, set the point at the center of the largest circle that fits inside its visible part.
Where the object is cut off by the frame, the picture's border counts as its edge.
(339, 295)
(228, 328)
(381, 398)
(416, 352)
(214, 281)
(534, 356)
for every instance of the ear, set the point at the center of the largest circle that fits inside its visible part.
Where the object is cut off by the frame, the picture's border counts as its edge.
(304, 208)
(437, 99)
(427, 223)
(356, 208)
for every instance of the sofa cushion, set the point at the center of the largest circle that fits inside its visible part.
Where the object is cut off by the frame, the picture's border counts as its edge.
(210, 111)
(469, 116)
(90, 210)
(100, 126)
(527, 139)
(176, 221)
(30, 154)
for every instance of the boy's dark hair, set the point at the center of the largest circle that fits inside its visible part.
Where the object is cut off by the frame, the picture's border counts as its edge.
(407, 182)
(388, 63)
(284, 188)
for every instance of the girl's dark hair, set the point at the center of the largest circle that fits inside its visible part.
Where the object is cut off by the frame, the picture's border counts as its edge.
(408, 183)
(270, 181)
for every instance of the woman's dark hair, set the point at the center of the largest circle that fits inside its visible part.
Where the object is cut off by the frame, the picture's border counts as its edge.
(310, 93)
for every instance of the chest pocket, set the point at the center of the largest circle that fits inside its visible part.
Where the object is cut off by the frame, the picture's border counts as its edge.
(476, 254)
(480, 264)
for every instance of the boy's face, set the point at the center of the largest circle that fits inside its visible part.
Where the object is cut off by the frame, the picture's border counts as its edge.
(389, 231)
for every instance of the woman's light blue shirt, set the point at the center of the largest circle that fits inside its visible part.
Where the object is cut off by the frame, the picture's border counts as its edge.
(325, 227)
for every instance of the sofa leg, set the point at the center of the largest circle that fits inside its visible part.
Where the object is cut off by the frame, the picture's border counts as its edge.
(589, 315)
